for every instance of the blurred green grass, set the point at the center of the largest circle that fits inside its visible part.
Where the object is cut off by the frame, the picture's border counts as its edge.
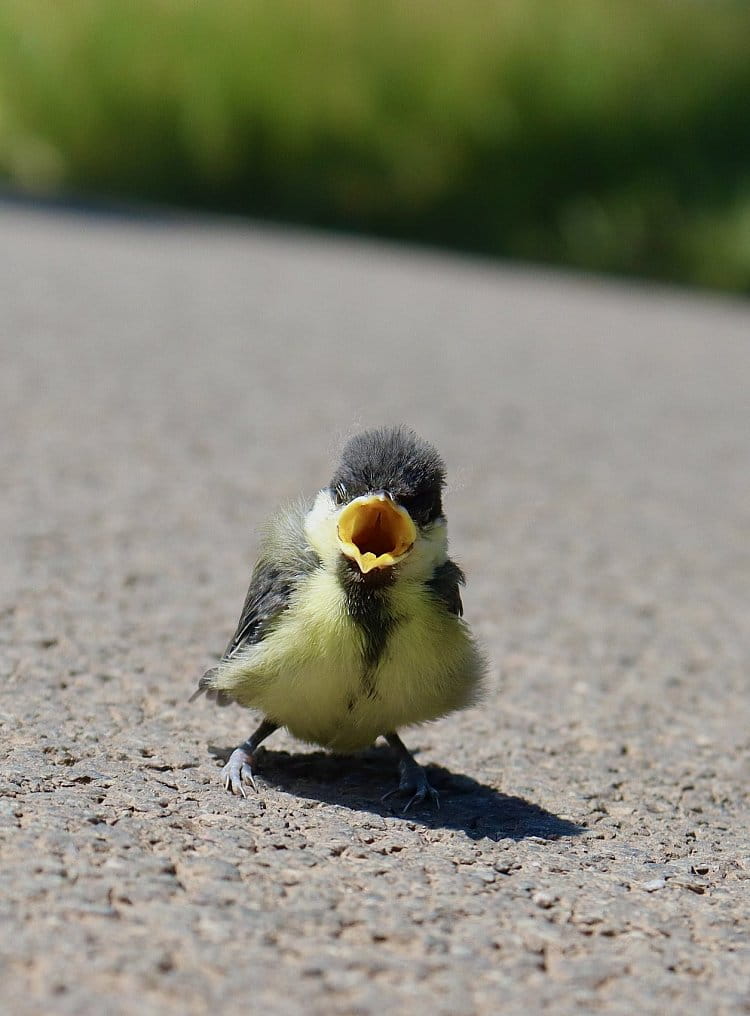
(609, 136)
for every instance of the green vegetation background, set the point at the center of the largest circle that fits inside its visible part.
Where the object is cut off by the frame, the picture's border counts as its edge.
(606, 135)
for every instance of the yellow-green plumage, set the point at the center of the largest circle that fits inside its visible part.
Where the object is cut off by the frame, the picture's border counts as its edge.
(351, 628)
(307, 673)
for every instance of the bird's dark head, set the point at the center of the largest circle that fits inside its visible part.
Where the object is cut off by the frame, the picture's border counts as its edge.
(387, 491)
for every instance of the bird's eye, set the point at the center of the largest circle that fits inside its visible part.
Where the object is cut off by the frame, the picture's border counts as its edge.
(420, 507)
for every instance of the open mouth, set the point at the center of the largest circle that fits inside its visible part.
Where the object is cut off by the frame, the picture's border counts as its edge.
(375, 532)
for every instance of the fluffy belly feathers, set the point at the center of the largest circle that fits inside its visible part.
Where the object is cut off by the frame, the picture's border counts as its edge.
(309, 673)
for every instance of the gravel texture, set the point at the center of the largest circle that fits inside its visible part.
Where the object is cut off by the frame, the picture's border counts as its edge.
(165, 384)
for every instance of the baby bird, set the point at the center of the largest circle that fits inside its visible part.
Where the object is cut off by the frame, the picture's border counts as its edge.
(352, 626)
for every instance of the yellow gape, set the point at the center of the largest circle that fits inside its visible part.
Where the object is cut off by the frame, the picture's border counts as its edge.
(375, 532)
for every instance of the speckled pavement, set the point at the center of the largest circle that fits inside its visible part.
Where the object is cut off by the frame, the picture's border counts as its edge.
(165, 384)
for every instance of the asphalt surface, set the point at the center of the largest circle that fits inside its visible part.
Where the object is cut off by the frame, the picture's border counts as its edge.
(164, 386)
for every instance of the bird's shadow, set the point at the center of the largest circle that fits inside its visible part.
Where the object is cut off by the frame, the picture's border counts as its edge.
(358, 782)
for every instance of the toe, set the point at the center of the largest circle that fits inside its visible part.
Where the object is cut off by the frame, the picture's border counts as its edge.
(420, 791)
(413, 800)
(422, 794)
(246, 775)
(237, 772)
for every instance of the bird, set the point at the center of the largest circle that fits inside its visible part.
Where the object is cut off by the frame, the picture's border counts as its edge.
(352, 626)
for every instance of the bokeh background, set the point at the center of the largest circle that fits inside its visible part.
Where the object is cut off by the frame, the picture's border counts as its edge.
(608, 136)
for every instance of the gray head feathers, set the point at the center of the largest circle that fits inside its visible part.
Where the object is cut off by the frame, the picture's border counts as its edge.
(394, 460)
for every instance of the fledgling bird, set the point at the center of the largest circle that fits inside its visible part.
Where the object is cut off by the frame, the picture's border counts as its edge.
(352, 625)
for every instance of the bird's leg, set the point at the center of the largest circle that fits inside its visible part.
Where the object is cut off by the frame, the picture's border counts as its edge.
(238, 769)
(413, 777)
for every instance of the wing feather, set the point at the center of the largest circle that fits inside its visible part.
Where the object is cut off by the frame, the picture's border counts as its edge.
(285, 558)
(445, 584)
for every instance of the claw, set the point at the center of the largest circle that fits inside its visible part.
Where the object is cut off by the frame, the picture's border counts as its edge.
(421, 795)
(237, 772)
(418, 783)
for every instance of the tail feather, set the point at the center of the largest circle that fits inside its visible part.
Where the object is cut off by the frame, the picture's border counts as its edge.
(205, 687)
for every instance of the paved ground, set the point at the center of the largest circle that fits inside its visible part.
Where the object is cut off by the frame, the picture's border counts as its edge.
(164, 386)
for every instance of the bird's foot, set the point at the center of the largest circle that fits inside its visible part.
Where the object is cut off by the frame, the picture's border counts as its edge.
(414, 781)
(238, 771)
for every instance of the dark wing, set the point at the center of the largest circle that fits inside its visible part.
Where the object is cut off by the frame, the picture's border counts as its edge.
(268, 595)
(286, 558)
(444, 586)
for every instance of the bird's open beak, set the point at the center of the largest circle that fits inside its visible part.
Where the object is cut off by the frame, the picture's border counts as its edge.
(375, 532)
